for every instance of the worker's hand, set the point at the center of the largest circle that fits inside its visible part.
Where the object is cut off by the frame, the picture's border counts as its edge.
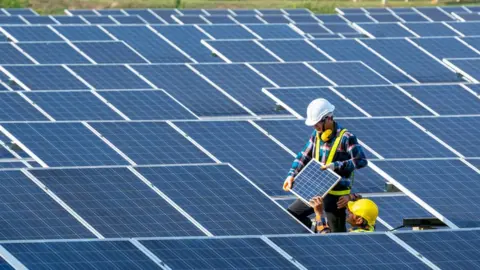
(287, 185)
(317, 204)
(330, 166)
(343, 201)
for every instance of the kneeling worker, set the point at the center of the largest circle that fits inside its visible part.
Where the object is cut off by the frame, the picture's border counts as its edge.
(362, 214)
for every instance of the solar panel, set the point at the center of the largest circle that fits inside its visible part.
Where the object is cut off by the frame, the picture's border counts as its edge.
(240, 208)
(35, 19)
(241, 83)
(166, 14)
(408, 141)
(10, 55)
(475, 88)
(70, 105)
(467, 28)
(385, 30)
(463, 127)
(248, 19)
(468, 67)
(270, 11)
(291, 74)
(468, 16)
(241, 144)
(311, 28)
(446, 99)
(340, 28)
(110, 12)
(110, 77)
(65, 144)
(98, 19)
(475, 162)
(346, 73)
(376, 10)
(474, 42)
(274, 31)
(142, 143)
(146, 15)
(473, 8)
(222, 19)
(80, 255)
(29, 213)
(300, 11)
(384, 17)
(275, 19)
(242, 51)
(227, 31)
(218, 11)
(82, 33)
(446, 185)
(294, 50)
(244, 11)
(32, 33)
(350, 10)
(37, 77)
(412, 17)
(383, 100)
(350, 50)
(303, 18)
(362, 250)
(53, 53)
(11, 20)
(222, 253)
(83, 12)
(393, 209)
(358, 18)
(431, 29)
(110, 52)
(191, 11)
(189, 19)
(188, 39)
(20, 11)
(116, 202)
(123, 19)
(179, 81)
(330, 18)
(409, 58)
(435, 14)
(147, 105)
(446, 47)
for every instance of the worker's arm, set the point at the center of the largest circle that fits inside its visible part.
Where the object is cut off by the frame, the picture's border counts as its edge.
(303, 157)
(357, 159)
(321, 225)
(343, 201)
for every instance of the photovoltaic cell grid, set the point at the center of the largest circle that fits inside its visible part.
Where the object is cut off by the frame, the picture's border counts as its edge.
(53, 53)
(467, 28)
(110, 77)
(32, 33)
(446, 47)
(239, 208)
(227, 31)
(116, 202)
(385, 30)
(80, 255)
(10, 55)
(347, 73)
(468, 66)
(223, 253)
(291, 74)
(274, 31)
(241, 51)
(69, 20)
(82, 33)
(312, 181)
(294, 50)
(109, 52)
(13, 107)
(431, 29)
(219, 19)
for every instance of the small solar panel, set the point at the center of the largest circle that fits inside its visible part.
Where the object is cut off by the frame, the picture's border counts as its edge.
(275, 19)
(274, 31)
(270, 11)
(330, 18)
(412, 17)
(10, 55)
(133, 19)
(65, 144)
(110, 52)
(303, 18)
(291, 74)
(475, 162)
(385, 30)
(357, 18)
(299, 11)
(11, 20)
(142, 143)
(99, 19)
(218, 11)
(39, 77)
(431, 29)
(32, 33)
(34, 19)
(393, 209)
(248, 19)
(53, 53)
(80, 255)
(242, 51)
(82, 33)
(474, 42)
(116, 202)
(240, 208)
(219, 19)
(191, 11)
(467, 28)
(435, 14)
(110, 12)
(82, 12)
(347, 73)
(166, 14)
(146, 15)
(468, 145)
(310, 28)
(147, 105)
(446, 47)
(340, 28)
(221, 253)
(294, 50)
(190, 19)
(110, 77)
(20, 11)
(227, 31)
(244, 11)
(384, 17)
(468, 66)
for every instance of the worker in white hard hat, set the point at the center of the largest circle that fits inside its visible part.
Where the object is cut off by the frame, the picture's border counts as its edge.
(338, 150)
(361, 215)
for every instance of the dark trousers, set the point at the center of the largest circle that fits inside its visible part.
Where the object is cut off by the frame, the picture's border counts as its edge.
(336, 218)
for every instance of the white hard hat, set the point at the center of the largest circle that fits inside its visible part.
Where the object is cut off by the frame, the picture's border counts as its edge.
(318, 109)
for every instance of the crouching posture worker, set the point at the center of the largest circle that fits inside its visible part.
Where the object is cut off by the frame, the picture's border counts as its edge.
(361, 215)
(338, 150)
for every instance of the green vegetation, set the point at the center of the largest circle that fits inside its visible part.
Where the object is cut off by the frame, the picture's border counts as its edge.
(14, 3)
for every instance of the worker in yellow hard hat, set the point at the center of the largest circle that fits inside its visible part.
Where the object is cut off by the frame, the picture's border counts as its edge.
(361, 215)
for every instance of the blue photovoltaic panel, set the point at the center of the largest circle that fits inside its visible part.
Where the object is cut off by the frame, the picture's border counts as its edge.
(242, 51)
(445, 47)
(32, 33)
(188, 38)
(475, 88)
(377, 10)
(448, 186)
(80, 255)
(12, 165)
(469, 66)
(330, 18)
(148, 44)
(227, 31)
(29, 213)
(65, 144)
(217, 253)
(179, 81)
(110, 77)
(20, 11)
(191, 12)
(276, 19)
(299, 11)
(473, 8)
(299, 98)
(99, 20)
(468, 145)
(33, 19)
(218, 11)
(10, 55)
(45, 77)
(248, 19)
(190, 19)
(244, 11)
(270, 11)
(116, 202)
(13, 107)
(393, 209)
(133, 19)
(474, 42)
(361, 250)
(435, 14)
(467, 28)
(468, 16)
(166, 14)
(240, 208)
(409, 142)
(350, 50)
(243, 84)
(310, 28)
(294, 50)
(67, 105)
(383, 101)
(110, 12)
(412, 17)
(83, 33)
(447, 249)
(147, 105)
(446, 99)
(312, 181)
(385, 17)
(146, 15)
(357, 18)
(350, 10)
(347, 73)
(82, 12)
(475, 162)
(412, 60)
(431, 29)
(385, 30)
(340, 28)
(351, 35)
(456, 9)
(6, 20)
(303, 18)
(53, 53)
(109, 52)
(241, 144)
(291, 74)
(216, 19)
(151, 143)
(274, 31)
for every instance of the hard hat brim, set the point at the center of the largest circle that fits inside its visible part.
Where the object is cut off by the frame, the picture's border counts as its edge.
(310, 122)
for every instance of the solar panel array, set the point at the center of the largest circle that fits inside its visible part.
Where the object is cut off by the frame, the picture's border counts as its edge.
(160, 138)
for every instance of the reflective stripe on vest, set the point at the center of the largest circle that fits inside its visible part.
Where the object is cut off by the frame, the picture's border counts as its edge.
(362, 230)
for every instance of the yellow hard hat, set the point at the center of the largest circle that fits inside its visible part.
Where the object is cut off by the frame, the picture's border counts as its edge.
(364, 208)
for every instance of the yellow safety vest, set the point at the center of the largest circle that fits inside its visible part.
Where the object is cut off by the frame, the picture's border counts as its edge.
(333, 150)
(370, 229)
